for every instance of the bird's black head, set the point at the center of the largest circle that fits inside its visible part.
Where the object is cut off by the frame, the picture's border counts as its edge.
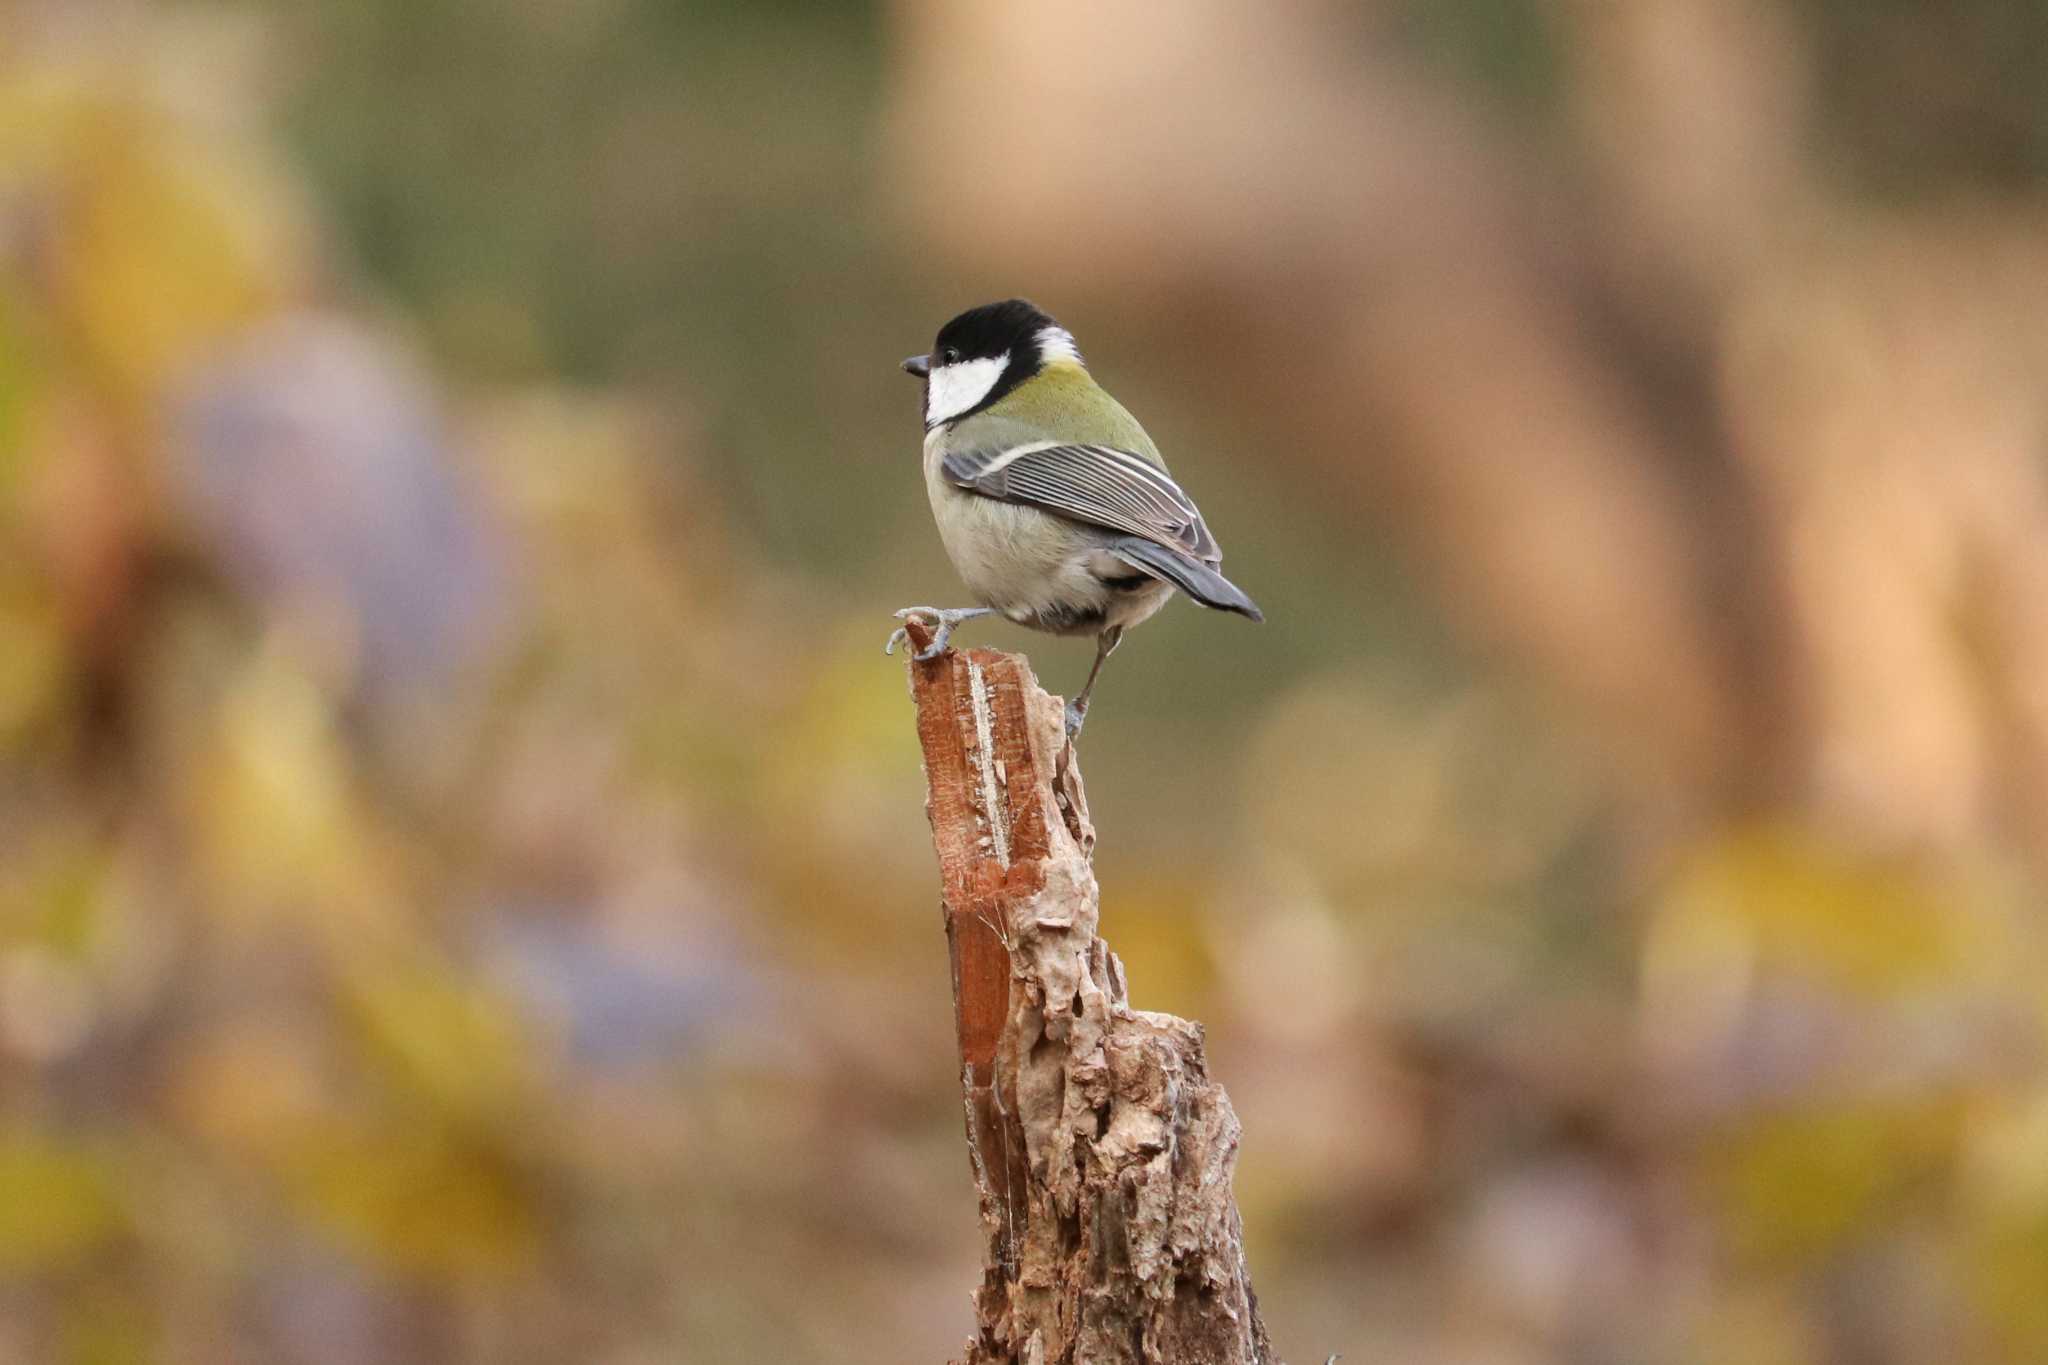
(984, 353)
(994, 329)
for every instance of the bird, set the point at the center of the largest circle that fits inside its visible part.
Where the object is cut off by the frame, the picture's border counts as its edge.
(1053, 504)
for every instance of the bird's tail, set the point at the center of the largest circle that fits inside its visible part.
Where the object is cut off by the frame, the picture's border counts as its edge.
(1198, 580)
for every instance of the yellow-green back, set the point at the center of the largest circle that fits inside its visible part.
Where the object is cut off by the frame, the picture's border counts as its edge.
(1062, 402)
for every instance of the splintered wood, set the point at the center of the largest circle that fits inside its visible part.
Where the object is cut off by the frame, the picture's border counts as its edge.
(1101, 1150)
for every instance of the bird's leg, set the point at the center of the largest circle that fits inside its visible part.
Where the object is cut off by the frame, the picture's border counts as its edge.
(1077, 709)
(943, 620)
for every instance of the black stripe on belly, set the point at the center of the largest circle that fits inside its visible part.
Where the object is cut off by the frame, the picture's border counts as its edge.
(1062, 618)
(1073, 618)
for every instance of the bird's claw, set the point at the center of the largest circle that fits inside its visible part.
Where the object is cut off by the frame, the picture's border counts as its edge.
(943, 620)
(1077, 716)
(901, 635)
(941, 630)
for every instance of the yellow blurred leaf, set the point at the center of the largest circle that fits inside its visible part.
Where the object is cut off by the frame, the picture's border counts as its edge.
(282, 825)
(16, 385)
(415, 1200)
(1802, 904)
(67, 891)
(2009, 1282)
(33, 662)
(167, 245)
(454, 1044)
(1796, 1185)
(57, 1203)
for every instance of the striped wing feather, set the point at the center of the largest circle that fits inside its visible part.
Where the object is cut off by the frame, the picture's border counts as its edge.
(1096, 484)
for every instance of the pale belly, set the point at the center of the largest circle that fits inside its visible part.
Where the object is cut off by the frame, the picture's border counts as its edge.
(1039, 570)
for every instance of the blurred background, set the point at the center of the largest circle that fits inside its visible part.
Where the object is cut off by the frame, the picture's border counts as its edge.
(464, 888)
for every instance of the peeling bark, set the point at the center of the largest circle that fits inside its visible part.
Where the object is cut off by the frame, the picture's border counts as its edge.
(1101, 1149)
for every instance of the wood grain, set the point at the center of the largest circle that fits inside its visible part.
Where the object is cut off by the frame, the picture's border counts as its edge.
(1101, 1150)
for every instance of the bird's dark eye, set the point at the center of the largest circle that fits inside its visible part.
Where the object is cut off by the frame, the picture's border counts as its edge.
(950, 356)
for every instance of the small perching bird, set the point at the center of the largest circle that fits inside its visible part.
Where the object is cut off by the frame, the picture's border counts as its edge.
(1052, 502)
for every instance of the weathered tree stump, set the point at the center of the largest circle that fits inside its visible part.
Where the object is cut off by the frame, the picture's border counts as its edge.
(1101, 1150)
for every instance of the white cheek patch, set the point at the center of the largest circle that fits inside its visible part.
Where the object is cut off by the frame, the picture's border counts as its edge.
(955, 388)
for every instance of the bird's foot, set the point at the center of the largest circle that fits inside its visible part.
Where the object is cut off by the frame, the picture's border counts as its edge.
(943, 620)
(1077, 716)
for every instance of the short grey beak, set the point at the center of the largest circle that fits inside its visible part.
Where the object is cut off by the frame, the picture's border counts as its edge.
(919, 365)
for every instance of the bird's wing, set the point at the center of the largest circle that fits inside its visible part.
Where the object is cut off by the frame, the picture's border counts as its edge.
(1097, 484)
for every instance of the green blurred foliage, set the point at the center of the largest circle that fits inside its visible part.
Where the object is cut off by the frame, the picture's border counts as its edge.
(463, 882)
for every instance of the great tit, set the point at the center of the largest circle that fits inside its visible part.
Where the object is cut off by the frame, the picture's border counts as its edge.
(1052, 502)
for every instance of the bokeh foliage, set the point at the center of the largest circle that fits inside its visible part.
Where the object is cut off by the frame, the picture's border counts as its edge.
(463, 887)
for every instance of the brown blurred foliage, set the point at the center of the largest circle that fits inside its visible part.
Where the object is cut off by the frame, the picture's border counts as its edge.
(463, 888)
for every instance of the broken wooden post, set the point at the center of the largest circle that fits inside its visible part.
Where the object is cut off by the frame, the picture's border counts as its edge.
(1101, 1150)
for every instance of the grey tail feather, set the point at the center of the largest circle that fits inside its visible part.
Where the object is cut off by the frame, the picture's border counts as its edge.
(1191, 576)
